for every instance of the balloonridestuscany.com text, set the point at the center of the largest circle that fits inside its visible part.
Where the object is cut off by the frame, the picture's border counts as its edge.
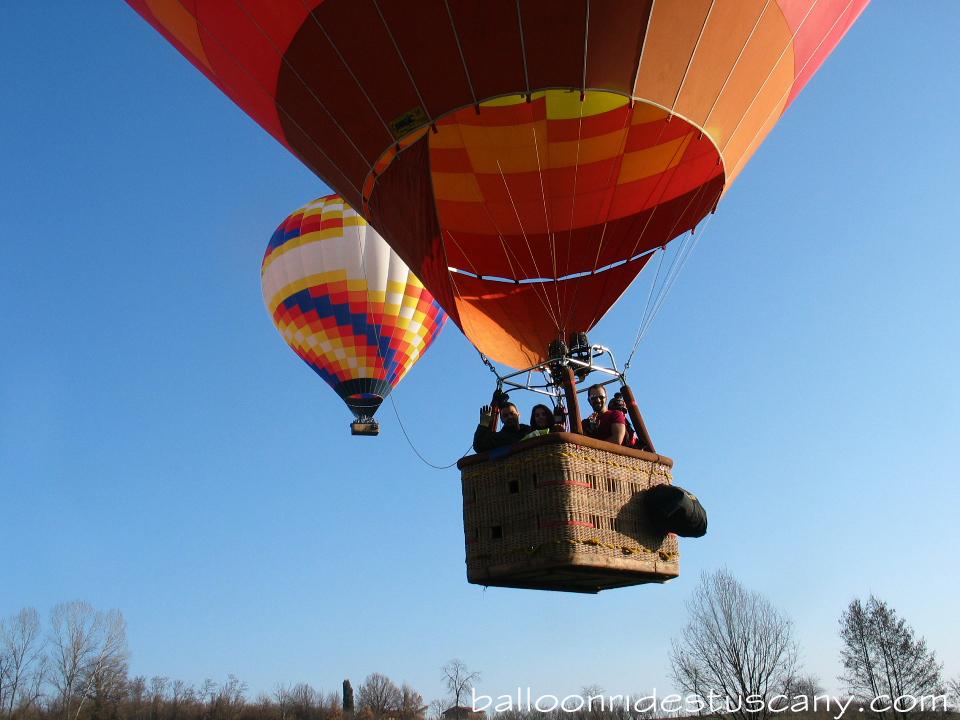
(712, 703)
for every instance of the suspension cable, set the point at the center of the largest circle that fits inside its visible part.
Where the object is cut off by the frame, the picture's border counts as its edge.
(679, 261)
(413, 447)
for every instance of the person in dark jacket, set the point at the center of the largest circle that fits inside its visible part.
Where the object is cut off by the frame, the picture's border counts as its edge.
(512, 431)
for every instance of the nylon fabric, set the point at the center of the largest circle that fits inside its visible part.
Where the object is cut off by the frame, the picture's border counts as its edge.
(527, 142)
(345, 302)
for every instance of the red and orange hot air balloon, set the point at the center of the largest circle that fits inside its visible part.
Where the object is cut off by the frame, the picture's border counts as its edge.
(524, 159)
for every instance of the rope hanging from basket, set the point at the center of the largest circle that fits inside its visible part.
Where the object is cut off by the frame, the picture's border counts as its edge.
(413, 447)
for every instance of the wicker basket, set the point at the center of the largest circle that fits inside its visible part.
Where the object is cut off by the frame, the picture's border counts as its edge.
(564, 512)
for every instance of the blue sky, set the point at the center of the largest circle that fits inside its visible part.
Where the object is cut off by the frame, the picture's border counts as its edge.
(163, 452)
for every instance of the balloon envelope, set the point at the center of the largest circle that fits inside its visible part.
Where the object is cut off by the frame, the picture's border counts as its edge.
(346, 303)
(523, 158)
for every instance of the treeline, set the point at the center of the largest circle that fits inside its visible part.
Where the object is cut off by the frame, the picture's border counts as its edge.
(737, 650)
(79, 670)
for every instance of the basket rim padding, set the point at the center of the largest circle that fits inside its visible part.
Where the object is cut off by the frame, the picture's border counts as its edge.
(558, 438)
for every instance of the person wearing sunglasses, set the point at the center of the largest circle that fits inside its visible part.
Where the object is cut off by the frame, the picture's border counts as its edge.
(603, 424)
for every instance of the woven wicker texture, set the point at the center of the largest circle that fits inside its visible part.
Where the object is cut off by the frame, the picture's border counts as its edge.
(566, 517)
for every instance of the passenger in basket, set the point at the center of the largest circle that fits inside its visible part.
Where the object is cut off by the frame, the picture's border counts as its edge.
(618, 403)
(633, 439)
(542, 422)
(609, 425)
(512, 431)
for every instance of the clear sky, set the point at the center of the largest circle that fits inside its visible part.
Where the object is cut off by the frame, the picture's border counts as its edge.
(164, 453)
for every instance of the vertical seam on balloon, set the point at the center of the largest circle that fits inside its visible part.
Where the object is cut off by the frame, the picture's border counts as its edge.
(767, 78)
(546, 212)
(286, 62)
(625, 131)
(736, 62)
(790, 89)
(654, 210)
(303, 268)
(573, 202)
(463, 59)
(693, 55)
(273, 100)
(503, 244)
(294, 244)
(663, 189)
(349, 70)
(436, 217)
(507, 250)
(650, 196)
(586, 39)
(363, 246)
(402, 61)
(643, 48)
(523, 48)
(392, 259)
(536, 270)
(324, 208)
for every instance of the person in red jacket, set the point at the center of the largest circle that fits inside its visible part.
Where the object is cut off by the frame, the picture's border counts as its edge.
(608, 425)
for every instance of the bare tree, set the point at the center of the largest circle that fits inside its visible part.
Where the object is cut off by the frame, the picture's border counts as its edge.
(883, 660)
(801, 694)
(435, 711)
(281, 697)
(159, 695)
(22, 663)
(379, 695)
(953, 688)
(106, 677)
(736, 648)
(594, 704)
(226, 701)
(305, 702)
(459, 680)
(89, 655)
(179, 696)
(263, 708)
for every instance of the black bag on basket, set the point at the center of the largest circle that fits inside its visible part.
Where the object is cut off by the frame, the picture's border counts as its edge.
(673, 510)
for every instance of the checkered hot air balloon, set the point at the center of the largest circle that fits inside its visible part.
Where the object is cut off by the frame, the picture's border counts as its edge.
(525, 158)
(346, 304)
